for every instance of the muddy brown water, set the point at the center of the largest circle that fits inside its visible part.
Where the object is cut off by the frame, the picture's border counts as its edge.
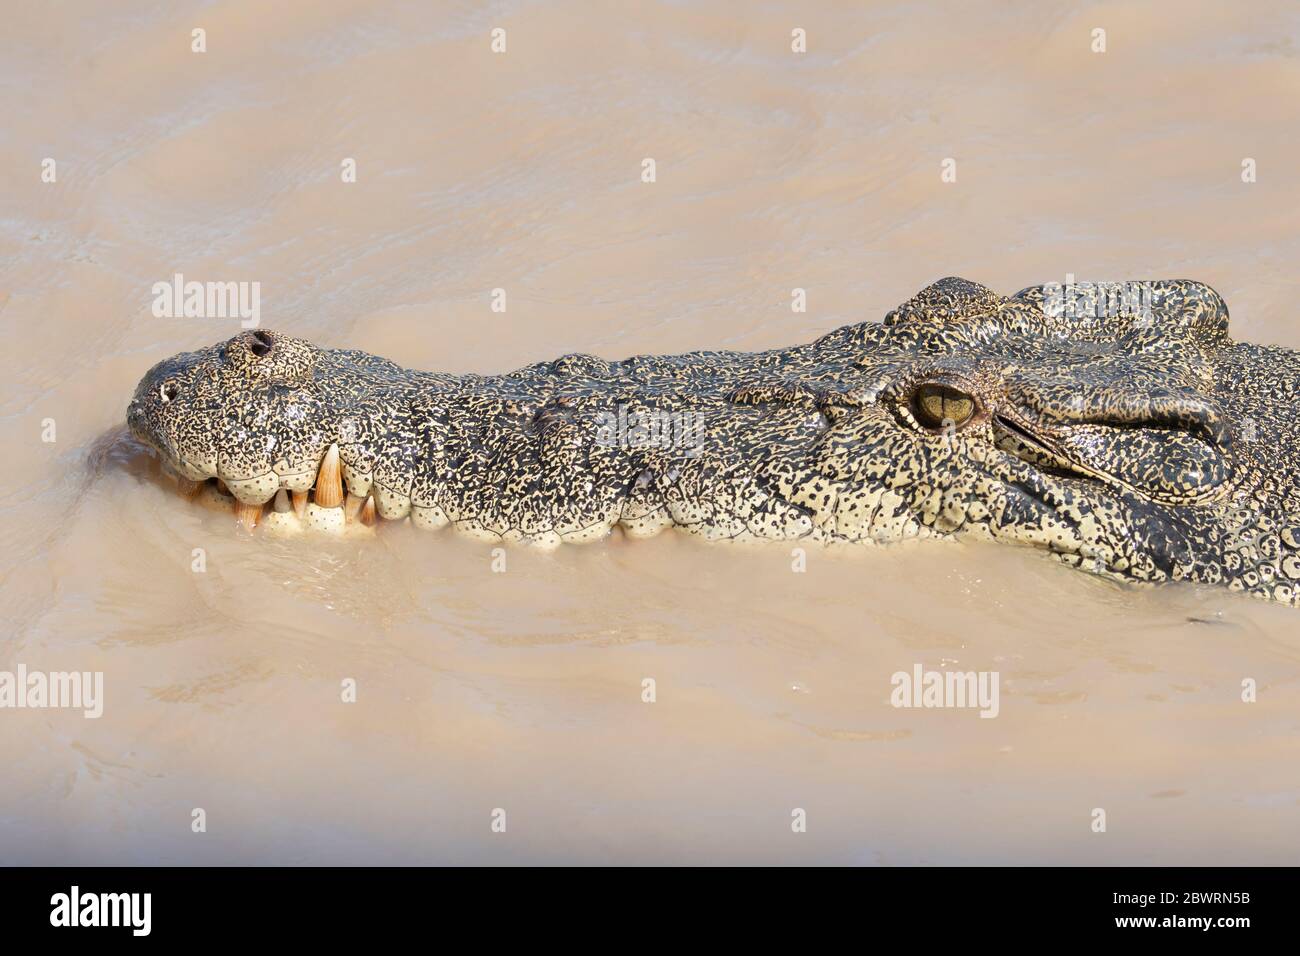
(521, 690)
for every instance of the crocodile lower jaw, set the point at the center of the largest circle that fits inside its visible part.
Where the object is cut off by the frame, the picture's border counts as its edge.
(324, 507)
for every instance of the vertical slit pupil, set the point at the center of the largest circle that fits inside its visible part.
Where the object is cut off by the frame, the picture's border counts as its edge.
(938, 404)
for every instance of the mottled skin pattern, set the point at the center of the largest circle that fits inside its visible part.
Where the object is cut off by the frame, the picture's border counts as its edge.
(1146, 447)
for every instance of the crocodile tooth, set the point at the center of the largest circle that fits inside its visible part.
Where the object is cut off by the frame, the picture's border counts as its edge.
(299, 503)
(352, 507)
(246, 514)
(189, 488)
(368, 516)
(329, 480)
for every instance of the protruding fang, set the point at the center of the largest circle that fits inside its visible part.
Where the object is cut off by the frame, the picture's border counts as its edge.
(329, 480)
(299, 503)
(247, 515)
(368, 516)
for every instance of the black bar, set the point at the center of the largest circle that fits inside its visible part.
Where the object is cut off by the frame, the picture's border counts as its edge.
(334, 905)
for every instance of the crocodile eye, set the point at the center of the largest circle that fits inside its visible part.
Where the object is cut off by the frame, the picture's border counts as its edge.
(168, 391)
(939, 406)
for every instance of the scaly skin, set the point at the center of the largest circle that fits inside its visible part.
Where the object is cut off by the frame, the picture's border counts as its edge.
(1144, 447)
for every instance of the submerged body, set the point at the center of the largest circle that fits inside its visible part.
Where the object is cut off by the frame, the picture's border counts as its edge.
(1141, 445)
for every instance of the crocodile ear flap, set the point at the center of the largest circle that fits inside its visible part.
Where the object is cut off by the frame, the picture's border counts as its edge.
(270, 357)
(1169, 306)
(949, 300)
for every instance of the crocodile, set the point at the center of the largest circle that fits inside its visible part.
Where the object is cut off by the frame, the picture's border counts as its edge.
(1136, 441)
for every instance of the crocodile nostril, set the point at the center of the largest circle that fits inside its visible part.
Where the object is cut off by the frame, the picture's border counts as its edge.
(261, 343)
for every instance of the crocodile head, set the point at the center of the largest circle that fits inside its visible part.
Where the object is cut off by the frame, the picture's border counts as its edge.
(1127, 435)
(259, 414)
(247, 411)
